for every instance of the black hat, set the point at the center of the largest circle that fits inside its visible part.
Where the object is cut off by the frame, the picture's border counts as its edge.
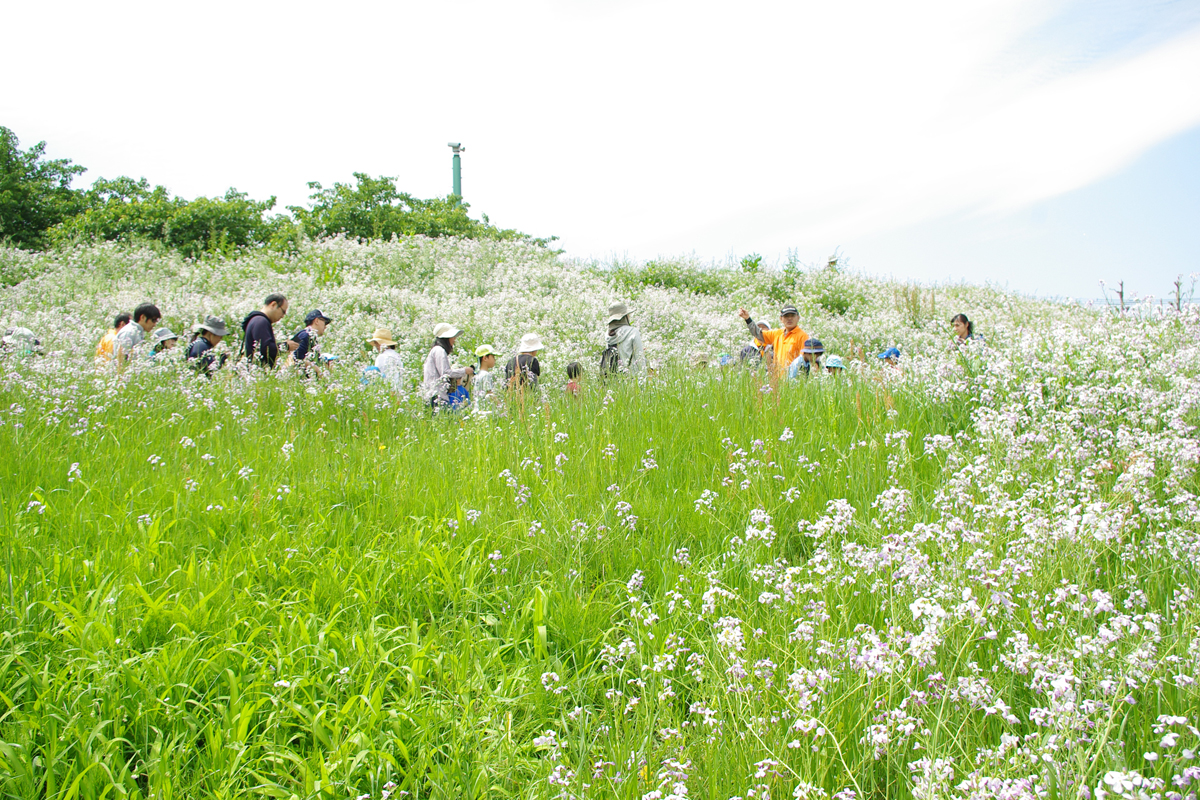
(789, 310)
(314, 315)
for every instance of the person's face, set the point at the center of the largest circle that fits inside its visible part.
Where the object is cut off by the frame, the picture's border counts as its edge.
(790, 321)
(213, 339)
(453, 340)
(832, 370)
(811, 357)
(276, 312)
(960, 328)
(376, 346)
(319, 325)
(147, 324)
(487, 362)
(168, 344)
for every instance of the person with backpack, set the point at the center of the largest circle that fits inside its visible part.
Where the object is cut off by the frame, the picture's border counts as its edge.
(104, 350)
(623, 345)
(259, 345)
(304, 346)
(523, 369)
(208, 335)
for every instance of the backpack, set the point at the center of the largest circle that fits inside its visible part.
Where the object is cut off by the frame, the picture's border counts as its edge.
(610, 360)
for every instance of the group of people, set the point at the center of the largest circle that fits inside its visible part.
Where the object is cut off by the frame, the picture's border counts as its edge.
(480, 385)
(450, 388)
(139, 333)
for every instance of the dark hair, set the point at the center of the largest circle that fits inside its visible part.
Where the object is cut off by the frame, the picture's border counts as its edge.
(444, 344)
(121, 319)
(574, 370)
(147, 310)
(275, 299)
(963, 319)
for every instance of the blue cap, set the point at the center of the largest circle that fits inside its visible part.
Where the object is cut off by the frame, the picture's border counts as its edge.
(813, 346)
(891, 352)
(315, 315)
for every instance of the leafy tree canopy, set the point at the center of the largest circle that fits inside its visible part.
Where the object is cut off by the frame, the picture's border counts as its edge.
(38, 207)
(124, 209)
(35, 192)
(373, 208)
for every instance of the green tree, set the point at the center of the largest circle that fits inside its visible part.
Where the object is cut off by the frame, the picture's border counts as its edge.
(373, 208)
(123, 209)
(35, 193)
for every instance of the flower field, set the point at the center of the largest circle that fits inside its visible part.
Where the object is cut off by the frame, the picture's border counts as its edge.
(973, 577)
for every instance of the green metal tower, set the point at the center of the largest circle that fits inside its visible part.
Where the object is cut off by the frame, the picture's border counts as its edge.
(457, 148)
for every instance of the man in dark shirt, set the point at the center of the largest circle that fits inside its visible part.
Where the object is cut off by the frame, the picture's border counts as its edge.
(259, 345)
(305, 343)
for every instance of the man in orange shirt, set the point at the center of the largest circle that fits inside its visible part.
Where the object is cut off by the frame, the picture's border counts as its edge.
(787, 342)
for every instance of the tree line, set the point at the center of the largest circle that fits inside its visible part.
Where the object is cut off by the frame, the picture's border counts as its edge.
(39, 209)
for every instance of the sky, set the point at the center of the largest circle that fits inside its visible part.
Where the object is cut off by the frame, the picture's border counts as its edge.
(1039, 145)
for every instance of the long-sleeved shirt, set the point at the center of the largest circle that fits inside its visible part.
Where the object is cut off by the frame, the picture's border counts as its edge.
(391, 365)
(438, 373)
(628, 341)
(259, 344)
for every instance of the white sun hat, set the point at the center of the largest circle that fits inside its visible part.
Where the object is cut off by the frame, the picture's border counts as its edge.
(444, 330)
(531, 343)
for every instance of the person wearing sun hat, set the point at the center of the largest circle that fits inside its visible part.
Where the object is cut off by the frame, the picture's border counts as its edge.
(388, 361)
(162, 340)
(523, 369)
(438, 372)
(208, 335)
(623, 350)
(787, 342)
(834, 365)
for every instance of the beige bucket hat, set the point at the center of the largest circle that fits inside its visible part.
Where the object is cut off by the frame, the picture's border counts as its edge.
(383, 336)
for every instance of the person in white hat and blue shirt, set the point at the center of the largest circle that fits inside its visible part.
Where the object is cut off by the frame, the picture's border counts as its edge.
(438, 371)
(623, 344)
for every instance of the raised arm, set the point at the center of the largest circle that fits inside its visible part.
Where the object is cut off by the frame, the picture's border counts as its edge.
(752, 325)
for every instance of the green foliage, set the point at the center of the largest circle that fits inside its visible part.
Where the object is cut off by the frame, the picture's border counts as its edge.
(751, 263)
(374, 208)
(669, 275)
(123, 209)
(35, 193)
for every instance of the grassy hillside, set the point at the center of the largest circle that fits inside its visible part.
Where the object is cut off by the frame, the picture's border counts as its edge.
(975, 577)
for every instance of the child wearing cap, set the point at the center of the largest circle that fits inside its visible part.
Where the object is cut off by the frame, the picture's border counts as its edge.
(810, 357)
(834, 365)
(485, 380)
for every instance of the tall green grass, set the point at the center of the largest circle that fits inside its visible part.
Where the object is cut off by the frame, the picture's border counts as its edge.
(349, 595)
